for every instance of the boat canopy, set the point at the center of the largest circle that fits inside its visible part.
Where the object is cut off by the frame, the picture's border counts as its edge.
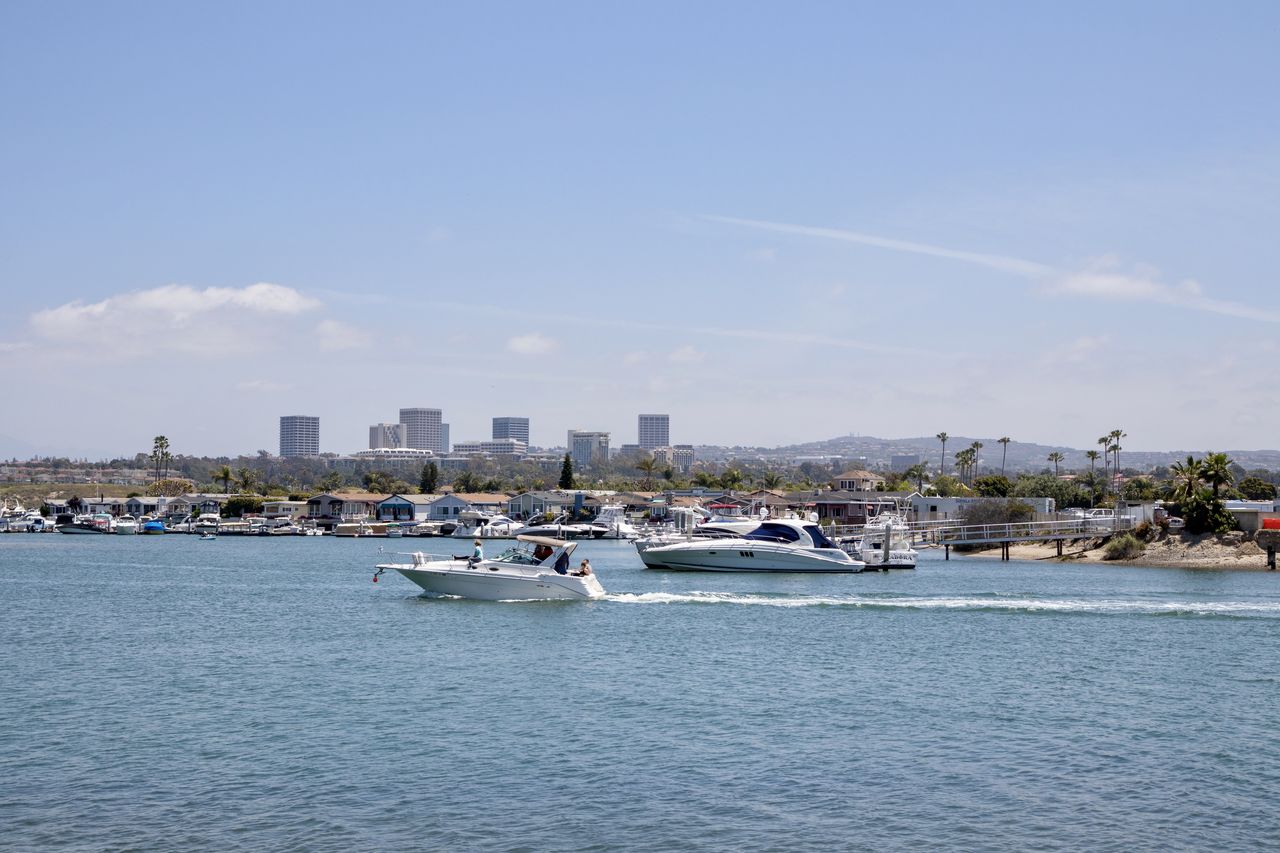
(548, 541)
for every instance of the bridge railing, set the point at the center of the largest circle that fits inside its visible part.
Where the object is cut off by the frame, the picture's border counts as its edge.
(1031, 530)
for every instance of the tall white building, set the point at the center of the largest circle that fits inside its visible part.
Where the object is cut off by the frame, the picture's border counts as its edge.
(386, 435)
(423, 430)
(654, 431)
(517, 428)
(299, 435)
(587, 447)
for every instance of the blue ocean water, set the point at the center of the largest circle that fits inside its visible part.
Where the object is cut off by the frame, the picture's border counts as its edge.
(245, 694)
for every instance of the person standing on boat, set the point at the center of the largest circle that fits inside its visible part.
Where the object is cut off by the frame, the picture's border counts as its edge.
(478, 554)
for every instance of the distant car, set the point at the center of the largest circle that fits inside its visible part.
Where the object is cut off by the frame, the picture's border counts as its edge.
(1072, 512)
(1176, 523)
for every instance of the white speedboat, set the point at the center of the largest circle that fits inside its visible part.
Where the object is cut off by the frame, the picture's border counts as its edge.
(784, 545)
(885, 543)
(206, 522)
(535, 568)
(98, 522)
(560, 528)
(473, 524)
(611, 523)
(127, 525)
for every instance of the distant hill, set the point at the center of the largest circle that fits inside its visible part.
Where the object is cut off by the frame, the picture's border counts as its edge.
(1022, 456)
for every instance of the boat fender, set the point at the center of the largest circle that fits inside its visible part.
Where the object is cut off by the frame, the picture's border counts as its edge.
(375, 574)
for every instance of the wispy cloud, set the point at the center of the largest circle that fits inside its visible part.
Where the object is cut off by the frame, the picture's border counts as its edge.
(262, 386)
(687, 354)
(332, 335)
(531, 344)
(1101, 278)
(175, 317)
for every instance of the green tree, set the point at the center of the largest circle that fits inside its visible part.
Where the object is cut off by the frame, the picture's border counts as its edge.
(238, 507)
(331, 482)
(993, 486)
(731, 479)
(916, 472)
(1139, 489)
(1216, 471)
(771, 480)
(467, 483)
(946, 486)
(976, 447)
(1256, 489)
(1004, 451)
(160, 456)
(378, 482)
(647, 466)
(1055, 457)
(248, 481)
(1105, 443)
(430, 478)
(942, 436)
(965, 460)
(706, 480)
(566, 473)
(1115, 435)
(1187, 477)
(1092, 456)
(224, 474)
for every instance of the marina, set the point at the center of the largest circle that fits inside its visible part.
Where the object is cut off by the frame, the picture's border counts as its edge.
(924, 708)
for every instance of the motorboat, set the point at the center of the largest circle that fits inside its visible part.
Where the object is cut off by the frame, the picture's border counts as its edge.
(611, 523)
(206, 522)
(127, 525)
(885, 543)
(781, 545)
(536, 568)
(474, 524)
(356, 529)
(153, 526)
(558, 528)
(208, 537)
(99, 522)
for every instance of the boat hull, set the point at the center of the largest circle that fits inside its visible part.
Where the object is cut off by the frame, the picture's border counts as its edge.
(481, 584)
(738, 555)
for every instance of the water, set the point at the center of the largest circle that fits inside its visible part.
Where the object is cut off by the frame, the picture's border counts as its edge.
(169, 693)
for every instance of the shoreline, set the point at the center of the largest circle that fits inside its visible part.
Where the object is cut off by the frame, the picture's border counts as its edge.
(1230, 552)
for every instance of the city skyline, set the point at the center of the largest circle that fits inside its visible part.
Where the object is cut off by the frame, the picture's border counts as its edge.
(846, 231)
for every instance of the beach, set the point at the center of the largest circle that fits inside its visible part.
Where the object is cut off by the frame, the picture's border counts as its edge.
(1228, 552)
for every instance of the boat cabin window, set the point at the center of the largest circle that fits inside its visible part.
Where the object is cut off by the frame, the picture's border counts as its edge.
(820, 539)
(519, 556)
(769, 532)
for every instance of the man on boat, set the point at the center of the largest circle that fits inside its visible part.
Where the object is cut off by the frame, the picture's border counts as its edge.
(477, 555)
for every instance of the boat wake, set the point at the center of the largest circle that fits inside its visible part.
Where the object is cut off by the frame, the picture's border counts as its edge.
(992, 603)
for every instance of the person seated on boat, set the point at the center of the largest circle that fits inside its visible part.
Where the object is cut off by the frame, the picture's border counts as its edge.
(584, 569)
(477, 555)
(541, 552)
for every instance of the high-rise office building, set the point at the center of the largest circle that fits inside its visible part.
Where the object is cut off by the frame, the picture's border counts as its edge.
(299, 435)
(386, 435)
(423, 430)
(517, 428)
(588, 448)
(654, 431)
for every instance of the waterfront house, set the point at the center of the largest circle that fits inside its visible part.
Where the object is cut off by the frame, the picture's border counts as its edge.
(292, 510)
(140, 505)
(415, 508)
(857, 481)
(331, 507)
(533, 504)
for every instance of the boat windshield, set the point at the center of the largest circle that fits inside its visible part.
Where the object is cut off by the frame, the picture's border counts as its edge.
(519, 556)
(771, 532)
(820, 539)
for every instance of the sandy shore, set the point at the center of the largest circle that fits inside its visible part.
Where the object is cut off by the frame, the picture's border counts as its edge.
(1224, 553)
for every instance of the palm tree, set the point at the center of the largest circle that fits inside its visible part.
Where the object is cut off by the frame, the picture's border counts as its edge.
(731, 479)
(976, 447)
(1187, 475)
(771, 480)
(248, 481)
(1004, 451)
(916, 472)
(160, 456)
(1055, 457)
(1115, 435)
(224, 474)
(647, 466)
(1105, 443)
(942, 436)
(1092, 456)
(964, 461)
(1216, 471)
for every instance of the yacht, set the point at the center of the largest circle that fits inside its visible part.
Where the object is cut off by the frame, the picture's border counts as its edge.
(153, 526)
(206, 522)
(611, 523)
(474, 524)
(872, 549)
(782, 545)
(99, 522)
(535, 569)
(559, 528)
(127, 525)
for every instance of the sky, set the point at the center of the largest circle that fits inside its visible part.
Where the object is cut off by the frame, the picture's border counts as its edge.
(778, 222)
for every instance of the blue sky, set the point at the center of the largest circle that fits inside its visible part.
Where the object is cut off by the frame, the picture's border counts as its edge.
(777, 222)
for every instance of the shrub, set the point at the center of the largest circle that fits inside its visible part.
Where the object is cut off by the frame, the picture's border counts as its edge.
(1123, 547)
(1204, 513)
(1145, 531)
(997, 511)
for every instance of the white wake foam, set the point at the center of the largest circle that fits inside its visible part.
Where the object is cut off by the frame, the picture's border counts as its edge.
(1048, 605)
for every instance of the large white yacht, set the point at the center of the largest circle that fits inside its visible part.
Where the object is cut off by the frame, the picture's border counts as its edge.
(885, 543)
(534, 569)
(783, 545)
(611, 523)
(474, 524)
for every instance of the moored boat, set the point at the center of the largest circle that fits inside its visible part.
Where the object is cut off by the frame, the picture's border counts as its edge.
(783, 545)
